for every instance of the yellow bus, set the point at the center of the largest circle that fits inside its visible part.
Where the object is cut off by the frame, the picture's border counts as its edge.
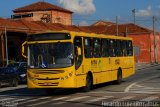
(66, 59)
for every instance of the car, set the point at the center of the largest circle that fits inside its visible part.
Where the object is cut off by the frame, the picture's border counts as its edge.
(8, 77)
(21, 69)
(13, 74)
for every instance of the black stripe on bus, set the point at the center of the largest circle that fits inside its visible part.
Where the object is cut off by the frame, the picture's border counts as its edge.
(104, 71)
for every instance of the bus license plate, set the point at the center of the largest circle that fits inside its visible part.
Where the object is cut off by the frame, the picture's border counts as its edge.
(47, 83)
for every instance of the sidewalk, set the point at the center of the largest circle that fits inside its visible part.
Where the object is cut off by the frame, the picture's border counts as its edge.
(140, 66)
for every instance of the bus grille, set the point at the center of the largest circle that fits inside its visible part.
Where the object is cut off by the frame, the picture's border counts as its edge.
(48, 78)
(48, 84)
(49, 71)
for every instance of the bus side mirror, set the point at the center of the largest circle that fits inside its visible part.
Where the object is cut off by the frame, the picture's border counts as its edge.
(79, 51)
(23, 49)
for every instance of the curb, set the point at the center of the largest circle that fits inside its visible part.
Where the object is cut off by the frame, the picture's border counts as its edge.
(146, 67)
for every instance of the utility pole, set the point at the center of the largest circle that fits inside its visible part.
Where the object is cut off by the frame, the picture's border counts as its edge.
(134, 15)
(6, 43)
(155, 42)
(126, 32)
(117, 26)
(2, 47)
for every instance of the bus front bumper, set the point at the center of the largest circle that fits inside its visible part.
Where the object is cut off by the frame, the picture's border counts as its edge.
(66, 81)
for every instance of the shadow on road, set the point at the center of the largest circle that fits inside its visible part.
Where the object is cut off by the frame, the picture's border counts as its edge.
(37, 92)
(41, 92)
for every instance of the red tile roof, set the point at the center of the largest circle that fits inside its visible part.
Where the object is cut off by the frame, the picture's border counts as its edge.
(40, 6)
(11, 25)
(103, 23)
(31, 27)
(2, 22)
(126, 28)
(122, 29)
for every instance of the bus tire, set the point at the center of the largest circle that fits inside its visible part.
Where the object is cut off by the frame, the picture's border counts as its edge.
(89, 83)
(119, 77)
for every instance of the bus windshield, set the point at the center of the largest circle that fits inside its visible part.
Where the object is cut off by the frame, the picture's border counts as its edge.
(51, 55)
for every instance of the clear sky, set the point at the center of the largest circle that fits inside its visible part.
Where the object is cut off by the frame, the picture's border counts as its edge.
(89, 11)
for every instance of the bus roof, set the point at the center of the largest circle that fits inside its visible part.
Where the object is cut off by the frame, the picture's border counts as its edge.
(86, 34)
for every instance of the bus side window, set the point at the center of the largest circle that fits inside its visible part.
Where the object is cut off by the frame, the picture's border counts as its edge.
(88, 47)
(111, 48)
(124, 48)
(129, 48)
(97, 48)
(78, 58)
(118, 48)
(105, 47)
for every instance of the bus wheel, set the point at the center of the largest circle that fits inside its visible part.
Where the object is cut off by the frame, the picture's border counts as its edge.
(88, 84)
(119, 77)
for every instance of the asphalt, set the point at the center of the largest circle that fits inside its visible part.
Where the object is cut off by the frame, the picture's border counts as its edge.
(141, 90)
(140, 66)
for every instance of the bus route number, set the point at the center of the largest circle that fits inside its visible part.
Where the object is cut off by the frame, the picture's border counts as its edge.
(93, 62)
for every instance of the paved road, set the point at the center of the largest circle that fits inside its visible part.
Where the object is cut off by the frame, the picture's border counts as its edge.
(144, 86)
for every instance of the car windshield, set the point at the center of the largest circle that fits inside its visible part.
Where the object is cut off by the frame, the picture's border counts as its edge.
(13, 65)
(50, 55)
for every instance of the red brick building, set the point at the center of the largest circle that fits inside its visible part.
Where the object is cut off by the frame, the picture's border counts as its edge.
(43, 11)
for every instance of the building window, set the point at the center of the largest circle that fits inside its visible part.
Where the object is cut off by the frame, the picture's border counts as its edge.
(18, 16)
(136, 50)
